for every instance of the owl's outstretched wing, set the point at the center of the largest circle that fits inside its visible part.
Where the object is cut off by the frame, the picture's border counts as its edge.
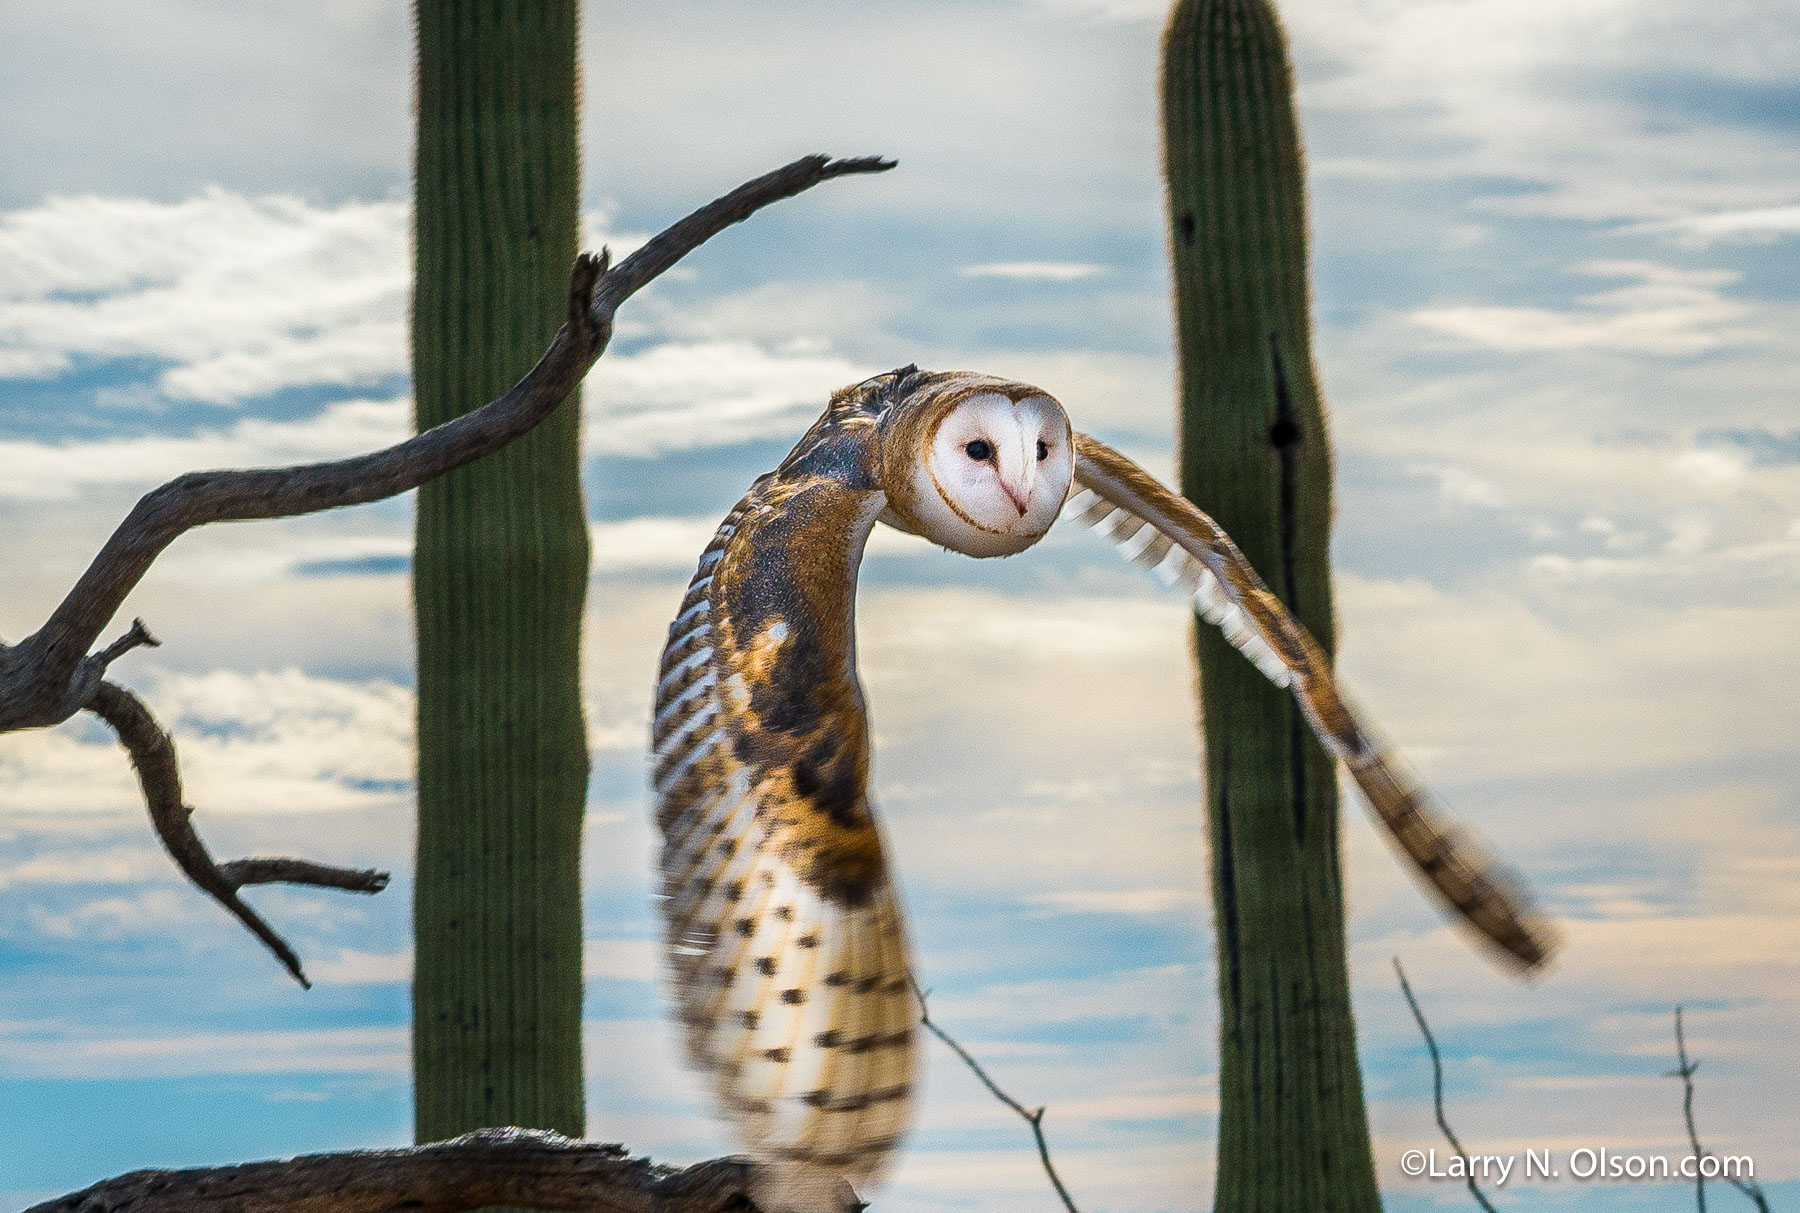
(786, 944)
(1161, 531)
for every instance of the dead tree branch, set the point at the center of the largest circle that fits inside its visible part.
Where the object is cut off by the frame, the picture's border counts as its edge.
(1437, 1090)
(153, 754)
(53, 674)
(1750, 1188)
(1033, 1118)
(517, 1167)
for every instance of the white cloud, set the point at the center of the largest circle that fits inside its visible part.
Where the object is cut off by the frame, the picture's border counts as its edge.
(55, 1051)
(650, 542)
(351, 967)
(1665, 311)
(1158, 992)
(1121, 901)
(622, 959)
(1462, 486)
(1034, 271)
(115, 865)
(266, 743)
(1757, 226)
(1555, 96)
(240, 296)
(683, 395)
(1111, 10)
(45, 471)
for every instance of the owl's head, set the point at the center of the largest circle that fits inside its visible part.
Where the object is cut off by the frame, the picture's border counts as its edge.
(978, 464)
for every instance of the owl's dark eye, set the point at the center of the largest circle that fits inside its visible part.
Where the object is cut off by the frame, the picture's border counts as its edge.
(979, 451)
(1043, 450)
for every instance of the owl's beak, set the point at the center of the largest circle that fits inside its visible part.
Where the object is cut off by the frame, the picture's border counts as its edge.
(1023, 478)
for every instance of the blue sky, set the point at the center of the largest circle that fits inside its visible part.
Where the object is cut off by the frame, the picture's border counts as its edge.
(1556, 291)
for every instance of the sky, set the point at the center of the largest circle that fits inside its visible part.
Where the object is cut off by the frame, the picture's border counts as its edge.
(1556, 292)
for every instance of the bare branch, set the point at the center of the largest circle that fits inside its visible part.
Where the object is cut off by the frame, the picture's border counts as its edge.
(1750, 1188)
(517, 1167)
(1033, 1118)
(153, 754)
(49, 676)
(1437, 1090)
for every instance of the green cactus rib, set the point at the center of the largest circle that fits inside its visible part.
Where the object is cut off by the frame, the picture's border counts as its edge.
(499, 578)
(1293, 1132)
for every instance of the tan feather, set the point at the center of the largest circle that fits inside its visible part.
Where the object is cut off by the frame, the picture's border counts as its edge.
(782, 929)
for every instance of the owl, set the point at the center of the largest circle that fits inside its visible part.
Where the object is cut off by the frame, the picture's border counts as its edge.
(786, 942)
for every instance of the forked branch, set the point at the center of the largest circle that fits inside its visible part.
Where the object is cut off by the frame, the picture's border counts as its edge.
(54, 673)
(153, 754)
(1685, 1072)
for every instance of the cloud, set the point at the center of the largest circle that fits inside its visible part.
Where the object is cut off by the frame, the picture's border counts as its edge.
(49, 471)
(235, 297)
(1034, 271)
(279, 742)
(352, 967)
(114, 865)
(56, 1051)
(684, 395)
(1757, 226)
(1110, 10)
(622, 959)
(1759, 447)
(1665, 311)
(1462, 486)
(1122, 901)
(241, 296)
(1544, 107)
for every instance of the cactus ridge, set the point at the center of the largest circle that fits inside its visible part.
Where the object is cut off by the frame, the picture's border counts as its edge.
(1255, 454)
(499, 579)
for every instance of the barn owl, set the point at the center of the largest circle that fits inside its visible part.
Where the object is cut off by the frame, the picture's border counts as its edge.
(786, 943)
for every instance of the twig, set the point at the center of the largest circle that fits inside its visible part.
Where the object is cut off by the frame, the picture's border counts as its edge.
(1437, 1090)
(51, 675)
(159, 774)
(1685, 1072)
(517, 1167)
(1034, 1119)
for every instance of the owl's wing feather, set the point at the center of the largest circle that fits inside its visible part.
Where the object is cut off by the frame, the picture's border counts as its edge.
(786, 946)
(1163, 532)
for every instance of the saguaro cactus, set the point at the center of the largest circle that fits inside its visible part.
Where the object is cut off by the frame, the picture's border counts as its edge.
(1293, 1133)
(499, 579)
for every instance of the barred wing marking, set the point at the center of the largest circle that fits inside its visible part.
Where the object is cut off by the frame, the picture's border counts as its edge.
(794, 1005)
(1163, 532)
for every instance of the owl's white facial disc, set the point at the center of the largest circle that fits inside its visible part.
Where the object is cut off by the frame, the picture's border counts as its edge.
(995, 474)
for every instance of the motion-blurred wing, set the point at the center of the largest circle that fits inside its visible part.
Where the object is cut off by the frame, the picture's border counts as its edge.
(1164, 533)
(785, 941)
